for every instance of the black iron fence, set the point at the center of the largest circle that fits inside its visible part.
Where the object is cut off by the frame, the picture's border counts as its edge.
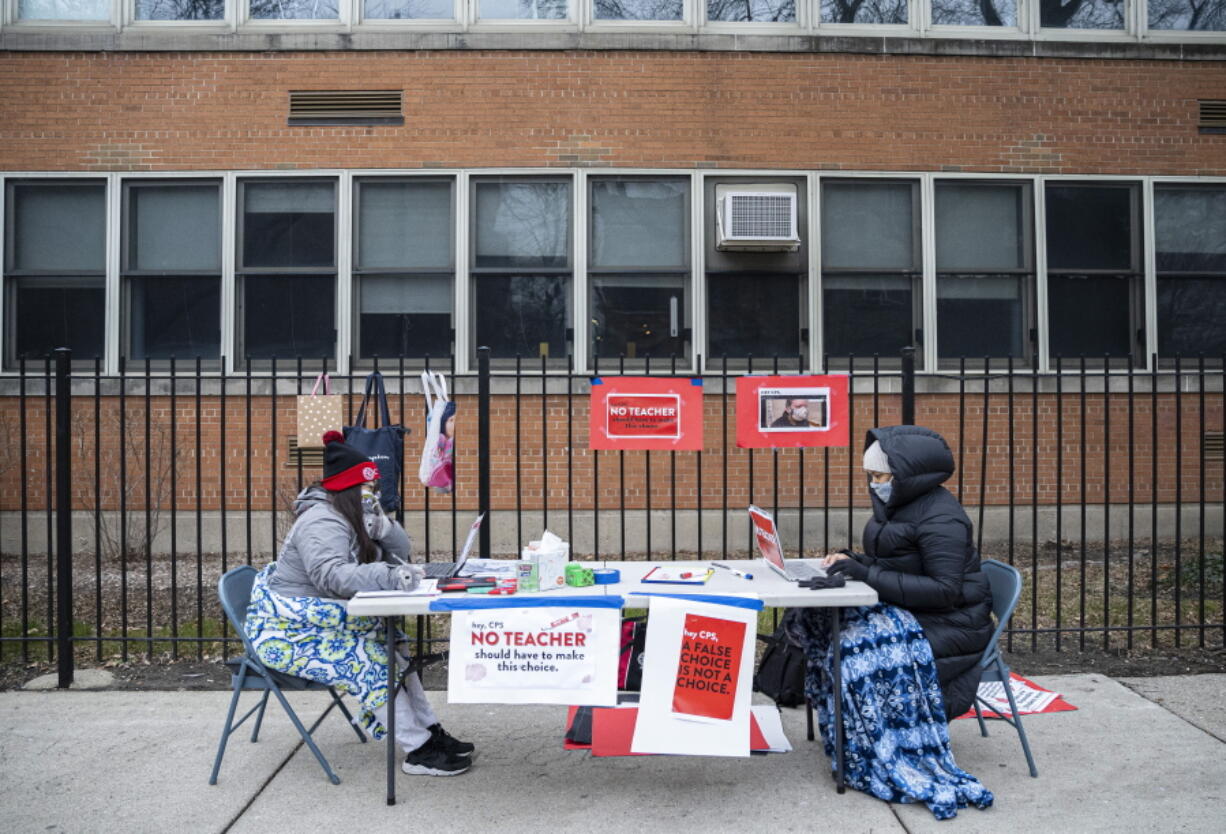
(1101, 481)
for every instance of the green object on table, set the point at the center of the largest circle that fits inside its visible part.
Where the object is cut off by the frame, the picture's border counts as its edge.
(577, 576)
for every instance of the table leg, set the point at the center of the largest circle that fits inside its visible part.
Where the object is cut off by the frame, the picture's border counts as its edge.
(390, 636)
(836, 635)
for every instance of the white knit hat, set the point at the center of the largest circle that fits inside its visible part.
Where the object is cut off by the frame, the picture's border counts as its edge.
(875, 459)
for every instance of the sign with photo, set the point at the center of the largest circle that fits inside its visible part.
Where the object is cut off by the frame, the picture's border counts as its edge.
(646, 413)
(791, 411)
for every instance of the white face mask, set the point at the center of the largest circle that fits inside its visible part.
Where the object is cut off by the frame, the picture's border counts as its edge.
(883, 491)
(800, 414)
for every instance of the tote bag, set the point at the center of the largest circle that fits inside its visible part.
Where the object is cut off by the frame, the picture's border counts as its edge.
(383, 444)
(319, 413)
(437, 466)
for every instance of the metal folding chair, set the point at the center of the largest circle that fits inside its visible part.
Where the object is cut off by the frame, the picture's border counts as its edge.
(248, 673)
(1006, 585)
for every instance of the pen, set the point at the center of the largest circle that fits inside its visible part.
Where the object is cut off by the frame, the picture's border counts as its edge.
(734, 571)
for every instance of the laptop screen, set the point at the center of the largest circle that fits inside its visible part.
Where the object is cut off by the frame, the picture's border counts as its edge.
(767, 537)
(472, 537)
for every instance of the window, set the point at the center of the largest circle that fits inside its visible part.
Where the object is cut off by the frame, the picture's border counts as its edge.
(63, 9)
(1082, 14)
(287, 268)
(1093, 269)
(55, 266)
(756, 301)
(524, 9)
(521, 266)
(984, 268)
(638, 9)
(1187, 15)
(408, 10)
(752, 11)
(1190, 243)
(870, 266)
(294, 9)
(864, 11)
(404, 260)
(172, 269)
(974, 12)
(180, 10)
(638, 266)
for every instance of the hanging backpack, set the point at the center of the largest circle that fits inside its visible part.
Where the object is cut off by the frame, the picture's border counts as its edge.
(437, 467)
(383, 444)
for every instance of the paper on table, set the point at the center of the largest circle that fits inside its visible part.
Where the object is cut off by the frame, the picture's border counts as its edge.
(490, 567)
(427, 588)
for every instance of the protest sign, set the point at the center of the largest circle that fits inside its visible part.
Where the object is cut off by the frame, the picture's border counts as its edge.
(708, 667)
(791, 411)
(646, 413)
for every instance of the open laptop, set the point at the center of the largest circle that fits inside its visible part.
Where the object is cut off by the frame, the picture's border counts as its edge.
(446, 570)
(767, 536)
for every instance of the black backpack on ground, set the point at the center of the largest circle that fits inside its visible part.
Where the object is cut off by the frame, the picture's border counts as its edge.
(781, 673)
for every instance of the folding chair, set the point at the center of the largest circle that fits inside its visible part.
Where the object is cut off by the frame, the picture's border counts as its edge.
(1006, 585)
(248, 672)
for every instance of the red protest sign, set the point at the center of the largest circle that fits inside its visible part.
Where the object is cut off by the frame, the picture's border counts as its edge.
(708, 667)
(646, 413)
(777, 412)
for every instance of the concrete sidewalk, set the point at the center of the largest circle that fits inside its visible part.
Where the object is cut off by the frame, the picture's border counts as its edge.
(1145, 754)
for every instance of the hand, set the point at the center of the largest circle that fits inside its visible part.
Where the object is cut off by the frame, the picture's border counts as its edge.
(831, 558)
(377, 525)
(408, 577)
(850, 568)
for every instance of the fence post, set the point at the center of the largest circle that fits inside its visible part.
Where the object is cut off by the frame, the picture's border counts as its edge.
(63, 515)
(483, 443)
(908, 386)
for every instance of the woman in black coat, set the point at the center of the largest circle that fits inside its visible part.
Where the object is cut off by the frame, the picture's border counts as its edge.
(919, 554)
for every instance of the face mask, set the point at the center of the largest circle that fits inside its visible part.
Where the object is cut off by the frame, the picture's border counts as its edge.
(884, 491)
(800, 414)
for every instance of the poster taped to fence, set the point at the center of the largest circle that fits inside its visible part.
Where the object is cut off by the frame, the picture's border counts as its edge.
(646, 413)
(775, 412)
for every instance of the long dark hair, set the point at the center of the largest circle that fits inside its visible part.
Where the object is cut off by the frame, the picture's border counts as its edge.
(348, 502)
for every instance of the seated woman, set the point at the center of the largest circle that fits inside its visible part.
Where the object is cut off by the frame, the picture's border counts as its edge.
(340, 544)
(908, 663)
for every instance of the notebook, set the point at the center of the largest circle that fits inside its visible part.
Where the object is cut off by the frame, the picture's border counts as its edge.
(767, 536)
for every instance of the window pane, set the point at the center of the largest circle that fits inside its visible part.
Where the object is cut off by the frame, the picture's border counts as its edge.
(408, 10)
(59, 227)
(979, 227)
(64, 9)
(293, 9)
(289, 224)
(405, 315)
(522, 224)
(980, 315)
(522, 314)
(1089, 227)
(638, 316)
(174, 227)
(175, 316)
(869, 11)
(1190, 229)
(639, 224)
(180, 9)
(753, 314)
(1191, 312)
(1202, 15)
(867, 314)
(523, 9)
(1089, 315)
(59, 315)
(1082, 14)
(404, 224)
(752, 11)
(639, 9)
(868, 225)
(289, 316)
(974, 12)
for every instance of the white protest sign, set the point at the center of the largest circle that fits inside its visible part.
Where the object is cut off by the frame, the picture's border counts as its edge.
(554, 654)
(697, 677)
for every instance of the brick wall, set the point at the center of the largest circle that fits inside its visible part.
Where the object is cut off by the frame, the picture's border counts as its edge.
(214, 111)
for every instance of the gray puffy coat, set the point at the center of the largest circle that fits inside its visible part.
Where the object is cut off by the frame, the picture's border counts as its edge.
(320, 555)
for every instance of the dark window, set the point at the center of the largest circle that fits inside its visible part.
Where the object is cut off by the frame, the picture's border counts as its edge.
(868, 314)
(288, 224)
(522, 315)
(1090, 227)
(54, 317)
(175, 316)
(1190, 243)
(288, 316)
(1091, 315)
(754, 315)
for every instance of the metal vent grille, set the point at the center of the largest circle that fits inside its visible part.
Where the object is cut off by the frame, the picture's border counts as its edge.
(760, 215)
(308, 458)
(1213, 115)
(321, 107)
(1213, 445)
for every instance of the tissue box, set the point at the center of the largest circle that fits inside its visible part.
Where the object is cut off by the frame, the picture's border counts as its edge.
(550, 566)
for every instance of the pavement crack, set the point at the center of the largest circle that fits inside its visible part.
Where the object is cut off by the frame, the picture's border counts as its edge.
(239, 815)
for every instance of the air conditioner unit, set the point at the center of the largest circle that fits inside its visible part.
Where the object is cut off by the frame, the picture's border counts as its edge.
(759, 220)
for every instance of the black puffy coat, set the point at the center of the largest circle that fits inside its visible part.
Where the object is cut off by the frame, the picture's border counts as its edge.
(921, 553)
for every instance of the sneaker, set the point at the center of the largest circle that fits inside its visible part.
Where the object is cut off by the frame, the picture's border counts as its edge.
(450, 744)
(431, 760)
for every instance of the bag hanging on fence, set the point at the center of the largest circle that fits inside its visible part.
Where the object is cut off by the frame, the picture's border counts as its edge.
(437, 467)
(319, 413)
(384, 444)
(781, 673)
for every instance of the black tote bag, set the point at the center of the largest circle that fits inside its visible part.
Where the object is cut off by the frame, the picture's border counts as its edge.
(384, 444)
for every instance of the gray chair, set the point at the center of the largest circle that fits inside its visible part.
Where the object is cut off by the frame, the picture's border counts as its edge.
(248, 673)
(1006, 585)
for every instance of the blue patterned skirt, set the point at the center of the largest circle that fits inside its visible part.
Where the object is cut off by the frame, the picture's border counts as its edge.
(316, 639)
(896, 741)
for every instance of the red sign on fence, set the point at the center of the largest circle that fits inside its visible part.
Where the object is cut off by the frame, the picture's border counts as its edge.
(646, 413)
(777, 412)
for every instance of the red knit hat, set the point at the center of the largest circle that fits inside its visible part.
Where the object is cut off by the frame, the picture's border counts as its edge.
(345, 466)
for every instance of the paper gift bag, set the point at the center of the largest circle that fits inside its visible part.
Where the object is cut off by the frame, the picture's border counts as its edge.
(319, 413)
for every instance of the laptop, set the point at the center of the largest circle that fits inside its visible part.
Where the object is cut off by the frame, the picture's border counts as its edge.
(767, 536)
(446, 570)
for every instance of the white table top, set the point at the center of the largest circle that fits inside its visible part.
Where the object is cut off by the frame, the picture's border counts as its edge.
(772, 589)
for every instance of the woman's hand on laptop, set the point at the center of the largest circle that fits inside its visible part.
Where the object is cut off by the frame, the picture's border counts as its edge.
(831, 558)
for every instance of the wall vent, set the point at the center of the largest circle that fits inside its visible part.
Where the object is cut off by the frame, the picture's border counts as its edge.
(1213, 446)
(346, 107)
(1212, 115)
(308, 458)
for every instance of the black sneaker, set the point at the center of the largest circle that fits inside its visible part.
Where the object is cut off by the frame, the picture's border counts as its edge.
(451, 745)
(431, 760)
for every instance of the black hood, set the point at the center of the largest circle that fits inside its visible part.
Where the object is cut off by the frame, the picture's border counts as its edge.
(920, 460)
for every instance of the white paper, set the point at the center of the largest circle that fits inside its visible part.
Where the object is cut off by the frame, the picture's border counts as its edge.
(771, 725)
(1029, 700)
(427, 588)
(490, 567)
